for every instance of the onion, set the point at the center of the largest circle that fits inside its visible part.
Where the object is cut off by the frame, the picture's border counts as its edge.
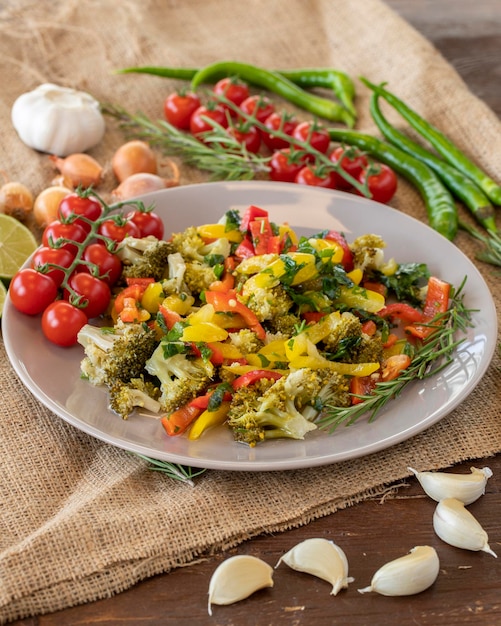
(142, 183)
(79, 169)
(16, 200)
(46, 205)
(133, 157)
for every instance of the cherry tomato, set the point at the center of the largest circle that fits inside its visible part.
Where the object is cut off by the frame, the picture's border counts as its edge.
(148, 222)
(381, 182)
(31, 291)
(59, 230)
(86, 207)
(314, 134)
(285, 165)
(108, 265)
(248, 136)
(232, 89)
(283, 122)
(199, 125)
(259, 106)
(179, 107)
(53, 256)
(351, 160)
(308, 176)
(117, 231)
(61, 323)
(95, 293)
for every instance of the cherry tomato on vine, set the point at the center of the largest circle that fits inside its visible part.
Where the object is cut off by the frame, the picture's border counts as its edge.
(59, 230)
(179, 107)
(86, 207)
(31, 291)
(232, 89)
(61, 323)
(117, 231)
(309, 176)
(53, 256)
(283, 122)
(95, 293)
(248, 136)
(259, 106)
(148, 222)
(108, 265)
(198, 123)
(314, 134)
(381, 182)
(351, 160)
(285, 165)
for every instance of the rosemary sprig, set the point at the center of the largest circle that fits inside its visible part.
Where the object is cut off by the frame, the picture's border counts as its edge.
(430, 358)
(183, 473)
(492, 241)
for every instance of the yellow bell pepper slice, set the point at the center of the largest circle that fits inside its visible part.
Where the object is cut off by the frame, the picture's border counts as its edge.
(332, 247)
(285, 230)
(208, 419)
(218, 231)
(356, 275)
(153, 297)
(179, 303)
(256, 263)
(204, 331)
(359, 298)
(275, 270)
(205, 313)
(345, 369)
(318, 331)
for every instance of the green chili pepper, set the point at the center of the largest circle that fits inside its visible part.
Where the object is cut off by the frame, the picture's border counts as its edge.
(440, 207)
(442, 144)
(287, 83)
(461, 186)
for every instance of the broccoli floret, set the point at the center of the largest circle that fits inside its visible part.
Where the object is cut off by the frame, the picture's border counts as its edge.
(267, 303)
(126, 397)
(176, 267)
(198, 276)
(246, 341)
(189, 244)
(368, 350)
(116, 354)
(181, 378)
(368, 252)
(344, 335)
(286, 324)
(144, 258)
(272, 414)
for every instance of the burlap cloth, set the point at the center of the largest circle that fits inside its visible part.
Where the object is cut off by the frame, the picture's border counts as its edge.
(81, 520)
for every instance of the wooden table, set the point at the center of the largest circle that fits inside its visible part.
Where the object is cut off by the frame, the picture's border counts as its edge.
(469, 586)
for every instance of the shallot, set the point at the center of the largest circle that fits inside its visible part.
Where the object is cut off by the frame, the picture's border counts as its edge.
(133, 157)
(80, 169)
(46, 205)
(140, 184)
(16, 200)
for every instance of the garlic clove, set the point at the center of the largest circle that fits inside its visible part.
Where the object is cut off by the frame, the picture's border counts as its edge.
(464, 487)
(455, 525)
(237, 578)
(321, 558)
(407, 575)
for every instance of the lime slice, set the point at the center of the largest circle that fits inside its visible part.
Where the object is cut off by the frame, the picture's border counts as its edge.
(16, 245)
(3, 295)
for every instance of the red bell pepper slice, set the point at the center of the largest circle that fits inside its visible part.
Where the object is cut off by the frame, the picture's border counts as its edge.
(312, 317)
(261, 233)
(361, 386)
(227, 302)
(437, 302)
(347, 260)
(369, 328)
(402, 311)
(202, 402)
(245, 249)
(227, 281)
(134, 290)
(170, 317)
(250, 214)
(178, 421)
(254, 375)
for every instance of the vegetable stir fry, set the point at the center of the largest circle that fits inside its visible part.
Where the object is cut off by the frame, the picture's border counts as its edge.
(246, 323)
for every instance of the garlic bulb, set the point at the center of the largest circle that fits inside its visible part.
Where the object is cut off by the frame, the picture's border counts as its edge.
(321, 558)
(464, 487)
(455, 525)
(58, 120)
(237, 578)
(407, 575)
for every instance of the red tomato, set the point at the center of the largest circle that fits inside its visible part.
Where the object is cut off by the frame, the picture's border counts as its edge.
(285, 165)
(59, 230)
(198, 123)
(351, 160)
(179, 107)
(307, 176)
(61, 323)
(107, 264)
(381, 182)
(31, 291)
(260, 107)
(149, 223)
(232, 89)
(248, 136)
(46, 256)
(314, 134)
(95, 293)
(282, 122)
(88, 208)
(117, 231)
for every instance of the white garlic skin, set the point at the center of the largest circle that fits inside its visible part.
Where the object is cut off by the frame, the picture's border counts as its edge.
(58, 120)
(463, 487)
(407, 575)
(322, 558)
(455, 525)
(237, 578)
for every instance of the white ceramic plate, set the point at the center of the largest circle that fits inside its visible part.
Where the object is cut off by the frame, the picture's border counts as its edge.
(52, 374)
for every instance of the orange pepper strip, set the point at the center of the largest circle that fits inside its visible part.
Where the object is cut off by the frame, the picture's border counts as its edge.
(227, 302)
